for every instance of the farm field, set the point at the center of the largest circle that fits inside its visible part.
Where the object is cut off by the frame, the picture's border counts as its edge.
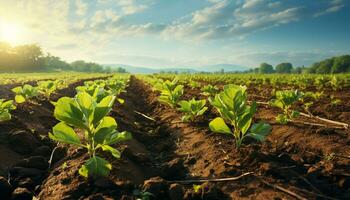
(167, 136)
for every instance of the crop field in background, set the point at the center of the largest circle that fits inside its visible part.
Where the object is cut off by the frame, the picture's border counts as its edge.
(167, 136)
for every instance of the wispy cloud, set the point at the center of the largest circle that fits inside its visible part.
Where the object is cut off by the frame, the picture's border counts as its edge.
(81, 7)
(334, 6)
(131, 6)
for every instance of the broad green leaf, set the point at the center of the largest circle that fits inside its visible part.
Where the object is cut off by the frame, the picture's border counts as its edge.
(117, 137)
(115, 153)
(260, 130)
(64, 133)
(67, 111)
(121, 101)
(20, 98)
(107, 127)
(218, 125)
(103, 108)
(202, 111)
(5, 116)
(7, 104)
(17, 90)
(246, 118)
(95, 167)
(184, 106)
(86, 104)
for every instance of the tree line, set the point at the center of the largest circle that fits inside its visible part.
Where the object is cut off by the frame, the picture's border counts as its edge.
(30, 58)
(334, 65)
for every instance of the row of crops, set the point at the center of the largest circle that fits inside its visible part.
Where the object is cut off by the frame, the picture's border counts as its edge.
(297, 81)
(230, 100)
(42, 89)
(70, 77)
(233, 105)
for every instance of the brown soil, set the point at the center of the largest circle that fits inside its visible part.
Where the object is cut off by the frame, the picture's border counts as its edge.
(309, 161)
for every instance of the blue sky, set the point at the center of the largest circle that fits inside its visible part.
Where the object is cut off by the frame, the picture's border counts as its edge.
(183, 33)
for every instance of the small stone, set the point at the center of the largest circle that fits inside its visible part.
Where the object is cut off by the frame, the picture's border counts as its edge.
(21, 194)
(176, 191)
(42, 151)
(26, 183)
(21, 172)
(23, 142)
(37, 162)
(155, 185)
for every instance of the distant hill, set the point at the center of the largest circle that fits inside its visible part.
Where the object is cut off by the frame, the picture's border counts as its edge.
(208, 68)
(225, 67)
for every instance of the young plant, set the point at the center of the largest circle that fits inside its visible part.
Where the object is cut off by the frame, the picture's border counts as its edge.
(209, 90)
(5, 108)
(284, 100)
(85, 114)
(335, 83)
(24, 93)
(335, 101)
(194, 84)
(232, 105)
(308, 100)
(46, 88)
(192, 109)
(171, 92)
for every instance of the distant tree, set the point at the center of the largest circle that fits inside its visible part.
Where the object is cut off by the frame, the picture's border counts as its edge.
(256, 70)
(325, 66)
(107, 69)
(78, 65)
(299, 70)
(54, 63)
(120, 70)
(265, 68)
(284, 68)
(341, 64)
(21, 58)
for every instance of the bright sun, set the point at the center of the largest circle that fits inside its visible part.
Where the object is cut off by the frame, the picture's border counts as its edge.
(9, 32)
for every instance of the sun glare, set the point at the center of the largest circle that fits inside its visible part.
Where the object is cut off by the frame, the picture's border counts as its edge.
(9, 32)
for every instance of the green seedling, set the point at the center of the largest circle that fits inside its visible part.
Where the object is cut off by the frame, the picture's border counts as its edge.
(192, 109)
(235, 112)
(85, 114)
(284, 100)
(5, 109)
(24, 93)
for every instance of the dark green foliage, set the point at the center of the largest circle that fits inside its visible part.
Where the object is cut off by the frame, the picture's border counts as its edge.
(340, 64)
(284, 68)
(29, 58)
(265, 68)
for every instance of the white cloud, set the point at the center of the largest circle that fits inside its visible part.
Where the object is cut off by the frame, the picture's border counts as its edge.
(329, 10)
(334, 6)
(81, 7)
(225, 19)
(131, 6)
